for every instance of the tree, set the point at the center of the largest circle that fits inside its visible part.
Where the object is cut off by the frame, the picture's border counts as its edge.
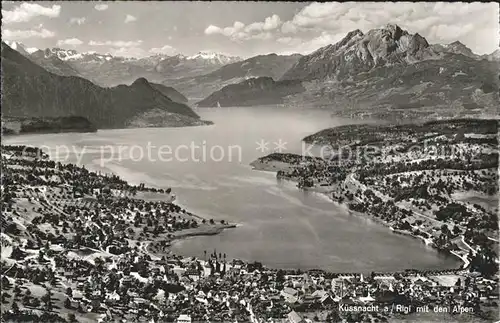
(280, 276)
(26, 300)
(6, 283)
(17, 290)
(333, 316)
(35, 302)
(15, 308)
(47, 299)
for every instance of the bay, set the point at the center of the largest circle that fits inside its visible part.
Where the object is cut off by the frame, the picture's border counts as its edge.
(208, 169)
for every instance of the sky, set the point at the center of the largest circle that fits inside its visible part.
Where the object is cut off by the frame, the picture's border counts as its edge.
(242, 29)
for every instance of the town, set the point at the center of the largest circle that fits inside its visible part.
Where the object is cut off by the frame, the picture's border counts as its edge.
(84, 247)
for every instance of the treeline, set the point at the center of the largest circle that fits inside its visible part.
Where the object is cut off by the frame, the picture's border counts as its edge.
(370, 132)
(481, 161)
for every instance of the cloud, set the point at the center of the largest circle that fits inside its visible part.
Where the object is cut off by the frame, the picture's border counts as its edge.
(307, 46)
(27, 11)
(270, 23)
(130, 18)
(38, 32)
(116, 43)
(77, 20)
(129, 52)
(288, 28)
(442, 31)
(474, 24)
(239, 31)
(319, 24)
(101, 7)
(167, 50)
(324, 39)
(212, 30)
(261, 36)
(228, 31)
(69, 42)
(289, 40)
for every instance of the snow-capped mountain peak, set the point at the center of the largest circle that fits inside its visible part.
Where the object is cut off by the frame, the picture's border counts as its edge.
(63, 54)
(213, 57)
(31, 50)
(20, 47)
(14, 45)
(73, 55)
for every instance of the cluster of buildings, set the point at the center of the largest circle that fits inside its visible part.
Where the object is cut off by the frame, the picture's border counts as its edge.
(89, 257)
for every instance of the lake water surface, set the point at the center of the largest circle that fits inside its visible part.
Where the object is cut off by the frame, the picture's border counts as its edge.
(279, 225)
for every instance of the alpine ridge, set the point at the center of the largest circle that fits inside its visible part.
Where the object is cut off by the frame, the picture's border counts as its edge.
(358, 52)
(271, 65)
(109, 70)
(390, 73)
(252, 92)
(31, 91)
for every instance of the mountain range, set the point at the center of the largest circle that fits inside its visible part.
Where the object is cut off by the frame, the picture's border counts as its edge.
(108, 70)
(201, 86)
(31, 91)
(389, 72)
(385, 73)
(253, 92)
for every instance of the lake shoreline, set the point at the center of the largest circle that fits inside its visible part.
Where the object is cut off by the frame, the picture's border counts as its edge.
(133, 175)
(275, 166)
(195, 232)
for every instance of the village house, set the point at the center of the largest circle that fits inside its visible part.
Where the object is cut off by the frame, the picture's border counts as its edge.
(294, 317)
(291, 295)
(184, 318)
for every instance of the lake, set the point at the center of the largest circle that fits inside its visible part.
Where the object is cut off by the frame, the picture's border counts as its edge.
(207, 168)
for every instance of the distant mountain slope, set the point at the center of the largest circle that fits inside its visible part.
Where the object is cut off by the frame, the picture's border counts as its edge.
(456, 48)
(108, 70)
(21, 48)
(214, 58)
(254, 91)
(29, 90)
(170, 93)
(495, 56)
(53, 63)
(23, 125)
(389, 73)
(358, 52)
(271, 65)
